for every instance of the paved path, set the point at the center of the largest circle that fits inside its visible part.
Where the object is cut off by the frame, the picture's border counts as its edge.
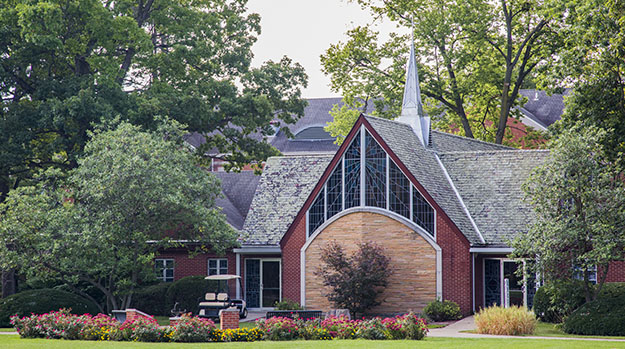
(456, 330)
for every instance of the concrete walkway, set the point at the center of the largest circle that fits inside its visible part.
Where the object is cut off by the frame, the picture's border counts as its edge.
(456, 330)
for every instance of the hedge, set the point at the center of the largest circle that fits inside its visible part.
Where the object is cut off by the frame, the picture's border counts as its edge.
(153, 299)
(43, 301)
(553, 302)
(604, 316)
(187, 291)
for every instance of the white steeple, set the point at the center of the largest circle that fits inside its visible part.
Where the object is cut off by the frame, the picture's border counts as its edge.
(412, 108)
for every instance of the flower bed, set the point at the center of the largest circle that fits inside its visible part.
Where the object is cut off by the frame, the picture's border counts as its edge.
(63, 325)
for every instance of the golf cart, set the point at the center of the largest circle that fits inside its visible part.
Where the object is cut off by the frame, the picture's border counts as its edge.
(215, 301)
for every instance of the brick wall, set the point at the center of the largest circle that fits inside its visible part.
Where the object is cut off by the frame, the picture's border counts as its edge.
(457, 283)
(413, 261)
(616, 272)
(228, 319)
(291, 247)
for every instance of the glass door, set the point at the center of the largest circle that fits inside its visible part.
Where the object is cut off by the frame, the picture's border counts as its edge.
(252, 283)
(270, 283)
(492, 282)
(515, 283)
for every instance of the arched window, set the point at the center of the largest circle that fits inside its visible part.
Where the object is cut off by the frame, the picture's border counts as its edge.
(385, 186)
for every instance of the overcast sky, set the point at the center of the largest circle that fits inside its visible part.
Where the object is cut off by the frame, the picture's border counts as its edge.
(303, 30)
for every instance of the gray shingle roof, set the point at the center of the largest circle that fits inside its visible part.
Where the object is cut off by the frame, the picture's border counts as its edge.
(490, 186)
(286, 183)
(423, 165)
(542, 108)
(446, 142)
(238, 190)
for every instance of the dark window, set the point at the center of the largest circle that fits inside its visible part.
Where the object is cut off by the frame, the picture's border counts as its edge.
(352, 173)
(315, 213)
(334, 191)
(164, 269)
(399, 191)
(422, 212)
(375, 174)
(217, 266)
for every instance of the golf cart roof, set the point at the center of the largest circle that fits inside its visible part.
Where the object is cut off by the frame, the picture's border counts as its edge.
(222, 277)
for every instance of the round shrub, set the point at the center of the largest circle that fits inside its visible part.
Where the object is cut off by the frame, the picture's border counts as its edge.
(554, 301)
(43, 301)
(601, 317)
(152, 299)
(187, 291)
(442, 311)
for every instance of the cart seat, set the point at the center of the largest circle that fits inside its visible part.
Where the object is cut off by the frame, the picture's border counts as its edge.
(210, 296)
(222, 297)
(213, 304)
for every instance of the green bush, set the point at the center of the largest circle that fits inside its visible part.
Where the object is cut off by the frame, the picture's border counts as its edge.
(188, 290)
(287, 304)
(601, 317)
(554, 301)
(43, 301)
(152, 299)
(442, 311)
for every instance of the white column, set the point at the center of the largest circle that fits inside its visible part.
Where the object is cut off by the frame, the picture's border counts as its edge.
(238, 265)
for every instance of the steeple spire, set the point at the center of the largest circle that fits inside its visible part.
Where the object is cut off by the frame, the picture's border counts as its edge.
(412, 107)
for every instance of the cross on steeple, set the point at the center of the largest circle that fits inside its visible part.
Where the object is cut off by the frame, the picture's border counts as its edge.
(412, 107)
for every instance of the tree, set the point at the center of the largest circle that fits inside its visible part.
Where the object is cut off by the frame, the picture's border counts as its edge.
(132, 194)
(67, 65)
(591, 60)
(355, 282)
(578, 196)
(475, 56)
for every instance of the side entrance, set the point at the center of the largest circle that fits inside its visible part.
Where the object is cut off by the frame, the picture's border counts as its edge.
(263, 282)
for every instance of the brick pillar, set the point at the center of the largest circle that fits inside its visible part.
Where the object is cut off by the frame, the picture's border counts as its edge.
(229, 318)
(133, 314)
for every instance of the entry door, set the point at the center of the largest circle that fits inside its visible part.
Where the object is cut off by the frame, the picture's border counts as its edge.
(262, 282)
(514, 282)
(492, 282)
(270, 283)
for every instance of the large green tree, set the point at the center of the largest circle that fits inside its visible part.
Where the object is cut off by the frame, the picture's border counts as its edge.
(578, 196)
(474, 58)
(591, 61)
(132, 194)
(66, 65)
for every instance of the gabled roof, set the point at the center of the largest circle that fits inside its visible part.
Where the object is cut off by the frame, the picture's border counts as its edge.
(238, 190)
(286, 183)
(446, 142)
(423, 165)
(490, 185)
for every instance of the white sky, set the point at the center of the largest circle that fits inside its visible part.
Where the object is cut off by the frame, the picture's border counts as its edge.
(303, 30)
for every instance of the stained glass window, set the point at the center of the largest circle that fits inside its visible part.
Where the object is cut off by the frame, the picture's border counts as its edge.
(375, 173)
(334, 191)
(316, 213)
(422, 212)
(352, 173)
(399, 191)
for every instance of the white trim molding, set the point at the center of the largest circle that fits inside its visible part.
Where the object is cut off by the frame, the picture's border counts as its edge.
(410, 224)
(491, 250)
(258, 250)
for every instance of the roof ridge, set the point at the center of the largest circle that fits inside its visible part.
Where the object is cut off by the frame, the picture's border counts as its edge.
(301, 156)
(513, 150)
(472, 139)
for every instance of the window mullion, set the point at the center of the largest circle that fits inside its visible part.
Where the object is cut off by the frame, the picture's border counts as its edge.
(388, 182)
(325, 201)
(343, 183)
(411, 203)
(362, 165)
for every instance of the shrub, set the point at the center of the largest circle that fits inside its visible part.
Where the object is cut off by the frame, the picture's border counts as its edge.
(43, 301)
(602, 317)
(288, 304)
(189, 330)
(510, 321)
(345, 276)
(408, 326)
(442, 311)
(372, 329)
(340, 327)
(238, 335)
(187, 291)
(153, 299)
(554, 301)
(141, 329)
(278, 328)
(63, 324)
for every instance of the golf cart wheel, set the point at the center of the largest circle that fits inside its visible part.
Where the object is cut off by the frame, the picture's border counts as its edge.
(244, 315)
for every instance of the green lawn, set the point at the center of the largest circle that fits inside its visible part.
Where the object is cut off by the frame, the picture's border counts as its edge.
(8, 329)
(545, 329)
(13, 341)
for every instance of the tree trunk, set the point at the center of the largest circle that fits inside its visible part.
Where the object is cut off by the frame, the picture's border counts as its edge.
(9, 283)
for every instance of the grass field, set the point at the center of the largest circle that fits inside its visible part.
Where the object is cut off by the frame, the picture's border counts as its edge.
(13, 341)
(551, 330)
